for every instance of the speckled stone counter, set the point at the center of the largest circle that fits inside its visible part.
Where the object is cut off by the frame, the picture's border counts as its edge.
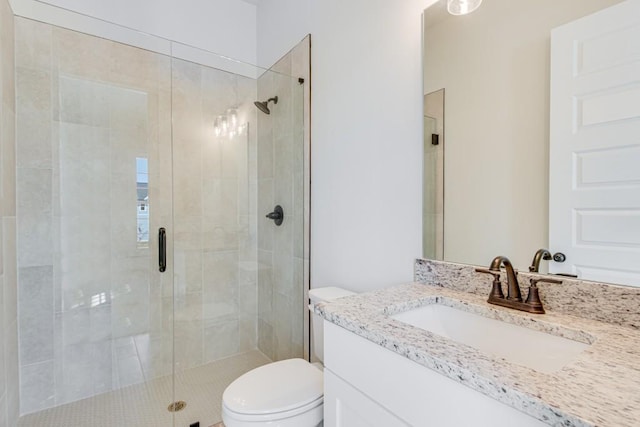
(592, 300)
(601, 387)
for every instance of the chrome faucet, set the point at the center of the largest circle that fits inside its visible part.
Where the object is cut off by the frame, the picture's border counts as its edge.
(514, 297)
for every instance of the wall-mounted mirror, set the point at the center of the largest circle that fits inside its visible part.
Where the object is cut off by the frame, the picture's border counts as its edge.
(494, 65)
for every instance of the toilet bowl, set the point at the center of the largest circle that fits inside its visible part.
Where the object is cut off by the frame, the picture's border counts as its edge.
(287, 393)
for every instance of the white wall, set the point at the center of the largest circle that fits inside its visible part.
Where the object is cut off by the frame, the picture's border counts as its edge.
(225, 27)
(280, 25)
(366, 203)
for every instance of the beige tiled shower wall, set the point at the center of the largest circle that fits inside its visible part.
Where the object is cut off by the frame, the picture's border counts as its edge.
(95, 313)
(9, 392)
(283, 174)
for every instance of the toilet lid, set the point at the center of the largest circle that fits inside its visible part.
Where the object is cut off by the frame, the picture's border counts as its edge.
(275, 387)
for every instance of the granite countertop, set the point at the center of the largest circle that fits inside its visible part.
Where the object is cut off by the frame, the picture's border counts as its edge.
(601, 387)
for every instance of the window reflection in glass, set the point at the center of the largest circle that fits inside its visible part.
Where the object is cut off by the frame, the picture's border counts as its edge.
(142, 189)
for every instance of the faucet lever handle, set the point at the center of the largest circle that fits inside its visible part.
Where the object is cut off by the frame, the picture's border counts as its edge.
(496, 290)
(494, 273)
(534, 282)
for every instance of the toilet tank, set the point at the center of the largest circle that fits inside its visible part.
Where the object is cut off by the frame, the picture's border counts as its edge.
(316, 295)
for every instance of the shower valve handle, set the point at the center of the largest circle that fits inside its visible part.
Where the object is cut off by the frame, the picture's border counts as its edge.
(277, 215)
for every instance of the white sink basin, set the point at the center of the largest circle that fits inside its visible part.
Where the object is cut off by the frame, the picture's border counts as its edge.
(534, 349)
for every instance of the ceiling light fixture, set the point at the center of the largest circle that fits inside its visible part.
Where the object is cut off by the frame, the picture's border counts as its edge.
(462, 7)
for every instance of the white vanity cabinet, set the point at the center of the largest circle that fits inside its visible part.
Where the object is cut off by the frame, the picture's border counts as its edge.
(349, 407)
(367, 385)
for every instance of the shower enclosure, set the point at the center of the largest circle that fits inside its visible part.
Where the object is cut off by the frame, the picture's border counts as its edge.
(149, 275)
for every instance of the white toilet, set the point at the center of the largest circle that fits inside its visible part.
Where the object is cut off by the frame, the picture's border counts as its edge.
(288, 393)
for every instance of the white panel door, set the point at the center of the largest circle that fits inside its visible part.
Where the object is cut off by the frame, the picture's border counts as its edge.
(594, 190)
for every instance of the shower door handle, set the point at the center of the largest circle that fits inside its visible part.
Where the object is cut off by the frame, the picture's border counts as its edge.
(162, 250)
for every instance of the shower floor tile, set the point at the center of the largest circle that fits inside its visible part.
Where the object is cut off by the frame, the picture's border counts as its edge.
(145, 405)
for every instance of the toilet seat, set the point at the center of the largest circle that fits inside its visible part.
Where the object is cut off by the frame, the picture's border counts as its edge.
(273, 416)
(274, 391)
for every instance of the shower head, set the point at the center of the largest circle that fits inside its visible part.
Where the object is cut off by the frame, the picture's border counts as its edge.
(264, 106)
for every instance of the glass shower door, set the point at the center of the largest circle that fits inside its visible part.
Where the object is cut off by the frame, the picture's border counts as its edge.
(94, 186)
(115, 195)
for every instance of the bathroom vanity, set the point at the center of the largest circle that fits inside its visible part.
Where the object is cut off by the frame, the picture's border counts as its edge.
(368, 385)
(421, 354)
